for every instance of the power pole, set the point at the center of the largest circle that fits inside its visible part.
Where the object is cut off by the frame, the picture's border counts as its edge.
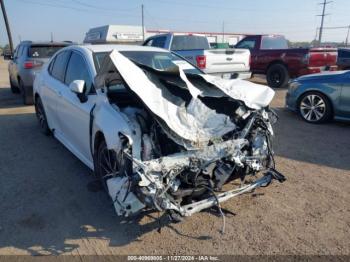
(143, 24)
(223, 31)
(51, 37)
(347, 36)
(7, 25)
(322, 19)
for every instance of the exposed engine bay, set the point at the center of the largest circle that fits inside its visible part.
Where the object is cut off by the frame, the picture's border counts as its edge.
(191, 136)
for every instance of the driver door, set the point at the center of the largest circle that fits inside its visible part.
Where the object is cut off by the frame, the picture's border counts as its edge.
(74, 113)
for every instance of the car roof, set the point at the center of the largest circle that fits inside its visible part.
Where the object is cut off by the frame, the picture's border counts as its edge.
(110, 47)
(45, 43)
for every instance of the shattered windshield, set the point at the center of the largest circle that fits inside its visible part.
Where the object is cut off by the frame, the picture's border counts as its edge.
(163, 61)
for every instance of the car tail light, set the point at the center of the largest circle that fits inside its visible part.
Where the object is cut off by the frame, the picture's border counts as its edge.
(201, 61)
(32, 64)
(250, 61)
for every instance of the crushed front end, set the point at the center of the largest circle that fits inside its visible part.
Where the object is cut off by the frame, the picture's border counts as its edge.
(192, 135)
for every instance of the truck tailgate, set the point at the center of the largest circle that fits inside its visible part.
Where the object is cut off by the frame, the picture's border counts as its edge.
(227, 60)
(320, 57)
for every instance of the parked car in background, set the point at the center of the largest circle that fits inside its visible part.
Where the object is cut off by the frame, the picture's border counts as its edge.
(156, 130)
(271, 56)
(320, 97)
(343, 61)
(27, 60)
(226, 63)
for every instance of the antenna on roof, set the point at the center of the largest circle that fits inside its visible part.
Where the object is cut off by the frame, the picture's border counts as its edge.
(51, 37)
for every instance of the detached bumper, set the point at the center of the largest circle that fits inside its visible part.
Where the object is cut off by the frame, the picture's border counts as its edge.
(190, 209)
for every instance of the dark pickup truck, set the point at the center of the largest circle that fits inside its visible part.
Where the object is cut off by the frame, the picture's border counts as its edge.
(271, 56)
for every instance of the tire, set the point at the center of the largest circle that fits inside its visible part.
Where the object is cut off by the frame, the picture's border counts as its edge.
(41, 116)
(14, 89)
(105, 164)
(277, 76)
(27, 99)
(314, 107)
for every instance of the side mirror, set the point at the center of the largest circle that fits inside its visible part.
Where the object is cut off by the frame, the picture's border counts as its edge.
(77, 86)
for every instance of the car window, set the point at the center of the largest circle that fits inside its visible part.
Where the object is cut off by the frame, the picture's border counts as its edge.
(43, 51)
(19, 51)
(344, 53)
(51, 65)
(247, 44)
(148, 42)
(59, 66)
(274, 42)
(156, 60)
(77, 70)
(15, 52)
(158, 41)
(189, 42)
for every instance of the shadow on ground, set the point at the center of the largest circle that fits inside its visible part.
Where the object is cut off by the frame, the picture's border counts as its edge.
(325, 144)
(45, 199)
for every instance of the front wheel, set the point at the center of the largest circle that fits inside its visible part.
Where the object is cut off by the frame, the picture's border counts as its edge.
(314, 107)
(106, 164)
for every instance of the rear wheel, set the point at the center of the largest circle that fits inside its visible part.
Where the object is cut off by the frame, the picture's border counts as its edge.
(27, 98)
(277, 76)
(41, 116)
(315, 107)
(14, 89)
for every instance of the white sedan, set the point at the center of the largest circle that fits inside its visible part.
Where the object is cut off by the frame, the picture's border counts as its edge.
(157, 131)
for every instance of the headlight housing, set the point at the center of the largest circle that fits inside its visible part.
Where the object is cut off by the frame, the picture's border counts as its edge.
(293, 86)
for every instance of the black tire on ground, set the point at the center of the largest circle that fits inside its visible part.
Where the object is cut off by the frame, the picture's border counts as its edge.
(14, 89)
(27, 99)
(105, 164)
(41, 115)
(314, 107)
(277, 76)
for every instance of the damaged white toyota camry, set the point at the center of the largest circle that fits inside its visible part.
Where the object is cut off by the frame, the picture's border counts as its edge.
(159, 133)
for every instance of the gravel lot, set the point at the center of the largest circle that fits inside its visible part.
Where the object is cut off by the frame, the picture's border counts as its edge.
(46, 206)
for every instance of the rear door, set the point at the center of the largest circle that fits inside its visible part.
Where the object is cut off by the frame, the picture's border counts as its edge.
(53, 86)
(74, 115)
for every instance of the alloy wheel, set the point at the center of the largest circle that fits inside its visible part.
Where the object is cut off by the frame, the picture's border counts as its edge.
(313, 108)
(107, 164)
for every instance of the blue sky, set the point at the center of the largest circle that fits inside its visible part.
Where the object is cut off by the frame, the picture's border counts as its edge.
(70, 19)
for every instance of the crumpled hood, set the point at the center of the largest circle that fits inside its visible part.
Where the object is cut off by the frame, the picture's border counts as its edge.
(186, 114)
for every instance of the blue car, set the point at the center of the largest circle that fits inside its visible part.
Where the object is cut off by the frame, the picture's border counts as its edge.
(320, 97)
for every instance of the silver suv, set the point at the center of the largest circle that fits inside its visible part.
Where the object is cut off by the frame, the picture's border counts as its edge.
(26, 62)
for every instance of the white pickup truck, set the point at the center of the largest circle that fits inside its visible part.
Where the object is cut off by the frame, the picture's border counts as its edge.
(226, 63)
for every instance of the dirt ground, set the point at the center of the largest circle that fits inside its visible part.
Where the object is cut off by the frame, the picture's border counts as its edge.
(47, 208)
